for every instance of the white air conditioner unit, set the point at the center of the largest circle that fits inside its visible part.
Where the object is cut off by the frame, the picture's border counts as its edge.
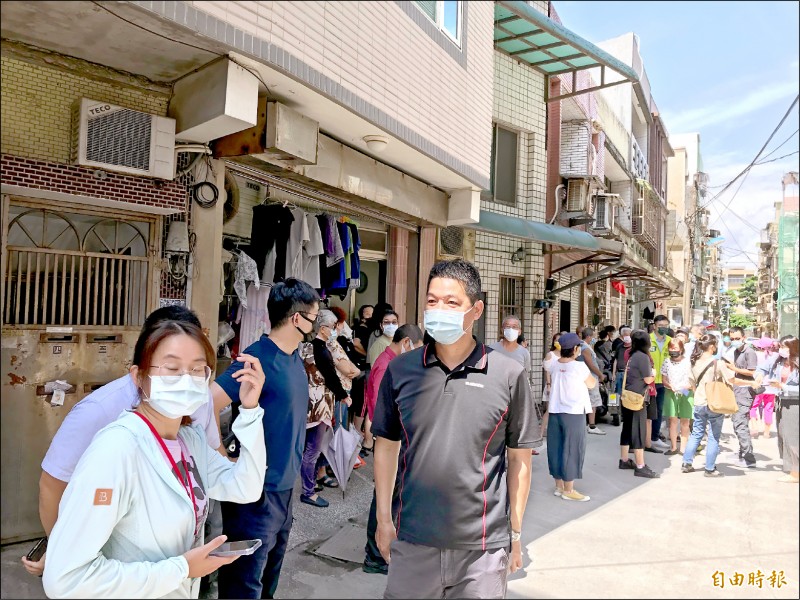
(577, 195)
(603, 214)
(119, 139)
(451, 242)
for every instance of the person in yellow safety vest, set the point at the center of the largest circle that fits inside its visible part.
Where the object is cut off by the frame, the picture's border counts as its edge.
(659, 352)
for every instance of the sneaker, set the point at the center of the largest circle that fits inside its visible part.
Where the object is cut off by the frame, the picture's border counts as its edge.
(713, 473)
(646, 471)
(574, 495)
(557, 492)
(370, 567)
(595, 430)
(672, 452)
(627, 464)
(687, 468)
(660, 445)
(654, 450)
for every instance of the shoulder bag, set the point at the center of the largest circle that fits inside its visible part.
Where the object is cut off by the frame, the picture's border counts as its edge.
(631, 400)
(719, 395)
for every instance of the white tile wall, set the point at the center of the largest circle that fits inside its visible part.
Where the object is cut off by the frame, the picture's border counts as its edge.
(377, 52)
(519, 105)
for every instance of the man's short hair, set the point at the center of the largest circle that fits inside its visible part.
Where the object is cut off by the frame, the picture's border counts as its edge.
(736, 329)
(624, 328)
(602, 334)
(512, 318)
(462, 271)
(410, 331)
(660, 318)
(587, 331)
(289, 297)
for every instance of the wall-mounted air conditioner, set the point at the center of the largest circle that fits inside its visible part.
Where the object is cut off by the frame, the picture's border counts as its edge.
(119, 139)
(603, 214)
(578, 196)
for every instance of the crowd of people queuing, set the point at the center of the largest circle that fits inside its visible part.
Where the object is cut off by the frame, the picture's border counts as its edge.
(138, 473)
(670, 371)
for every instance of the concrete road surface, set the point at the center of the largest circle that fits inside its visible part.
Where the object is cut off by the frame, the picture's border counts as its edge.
(635, 538)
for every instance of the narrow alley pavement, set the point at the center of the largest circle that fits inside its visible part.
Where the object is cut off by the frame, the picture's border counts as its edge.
(662, 538)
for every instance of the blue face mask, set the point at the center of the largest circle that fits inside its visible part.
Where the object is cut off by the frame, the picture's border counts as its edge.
(736, 343)
(726, 339)
(445, 326)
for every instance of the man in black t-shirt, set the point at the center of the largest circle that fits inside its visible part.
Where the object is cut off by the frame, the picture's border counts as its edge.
(453, 402)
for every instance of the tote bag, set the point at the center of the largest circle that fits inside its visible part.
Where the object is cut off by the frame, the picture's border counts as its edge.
(631, 400)
(720, 396)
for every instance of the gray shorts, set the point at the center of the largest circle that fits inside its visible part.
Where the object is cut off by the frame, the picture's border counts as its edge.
(424, 572)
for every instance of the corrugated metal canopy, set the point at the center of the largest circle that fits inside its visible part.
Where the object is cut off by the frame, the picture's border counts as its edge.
(534, 39)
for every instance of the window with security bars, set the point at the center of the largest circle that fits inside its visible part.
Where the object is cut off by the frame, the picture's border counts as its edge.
(511, 300)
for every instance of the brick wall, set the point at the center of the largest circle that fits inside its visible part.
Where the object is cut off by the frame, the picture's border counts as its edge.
(36, 121)
(575, 141)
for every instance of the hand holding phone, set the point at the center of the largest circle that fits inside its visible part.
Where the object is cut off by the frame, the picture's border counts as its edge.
(38, 550)
(243, 548)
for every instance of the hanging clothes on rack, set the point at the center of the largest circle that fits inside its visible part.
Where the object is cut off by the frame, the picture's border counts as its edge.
(298, 238)
(246, 270)
(269, 235)
(311, 253)
(336, 253)
(355, 261)
(254, 317)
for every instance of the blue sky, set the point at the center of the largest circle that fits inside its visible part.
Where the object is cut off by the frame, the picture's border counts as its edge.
(728, 70)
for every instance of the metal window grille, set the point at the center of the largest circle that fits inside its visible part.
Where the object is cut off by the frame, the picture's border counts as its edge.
(55, 276)
(511, 299)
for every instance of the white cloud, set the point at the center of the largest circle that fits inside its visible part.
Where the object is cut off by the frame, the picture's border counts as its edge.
(699, 118)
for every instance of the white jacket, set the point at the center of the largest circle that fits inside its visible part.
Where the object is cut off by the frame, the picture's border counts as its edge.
(132, 547)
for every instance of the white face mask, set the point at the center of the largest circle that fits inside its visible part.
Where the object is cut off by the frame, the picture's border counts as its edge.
(403, 349)
(180, 398)
(346, 332)
(389, 330)
(626, 339)
(784, 353)
(445, 326)
(510, 334)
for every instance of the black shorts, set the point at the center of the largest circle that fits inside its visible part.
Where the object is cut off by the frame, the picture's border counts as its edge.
(357, 396)
(652, 409)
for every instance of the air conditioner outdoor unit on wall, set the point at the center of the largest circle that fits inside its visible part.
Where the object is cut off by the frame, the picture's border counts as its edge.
(577, 195)
(603, 214)
(119, 139)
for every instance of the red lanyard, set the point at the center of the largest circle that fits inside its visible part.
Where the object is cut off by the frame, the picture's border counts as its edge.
(187, 485)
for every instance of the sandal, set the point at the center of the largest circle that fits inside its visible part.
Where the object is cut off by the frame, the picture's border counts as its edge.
(328, 481)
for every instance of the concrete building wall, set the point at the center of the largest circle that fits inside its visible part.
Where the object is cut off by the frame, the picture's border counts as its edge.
(392, 56)
(575, 141)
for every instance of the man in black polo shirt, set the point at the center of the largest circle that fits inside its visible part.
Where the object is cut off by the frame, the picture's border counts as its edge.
(446, 417)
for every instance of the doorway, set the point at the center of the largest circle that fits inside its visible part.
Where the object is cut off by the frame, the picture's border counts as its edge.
(564, 313)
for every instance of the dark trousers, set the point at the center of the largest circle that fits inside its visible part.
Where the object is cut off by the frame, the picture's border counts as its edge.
(270, 520)
(372, 556)
(656, 430)
(741, 424)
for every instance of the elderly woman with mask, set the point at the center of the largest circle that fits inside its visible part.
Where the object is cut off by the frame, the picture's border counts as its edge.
(325, 390)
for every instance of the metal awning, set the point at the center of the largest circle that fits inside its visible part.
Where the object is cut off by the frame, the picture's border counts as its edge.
(534, 231)
(533, 38)
(582, 248)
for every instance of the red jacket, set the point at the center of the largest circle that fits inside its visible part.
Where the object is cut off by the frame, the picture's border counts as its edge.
(375, 377)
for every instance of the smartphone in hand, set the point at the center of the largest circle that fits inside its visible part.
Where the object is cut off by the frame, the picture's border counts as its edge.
(38, 550)
(243, 548)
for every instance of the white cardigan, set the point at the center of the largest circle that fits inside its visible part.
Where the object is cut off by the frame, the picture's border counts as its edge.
(133, 547)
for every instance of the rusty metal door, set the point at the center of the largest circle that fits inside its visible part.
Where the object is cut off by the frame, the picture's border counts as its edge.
(77, 286)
